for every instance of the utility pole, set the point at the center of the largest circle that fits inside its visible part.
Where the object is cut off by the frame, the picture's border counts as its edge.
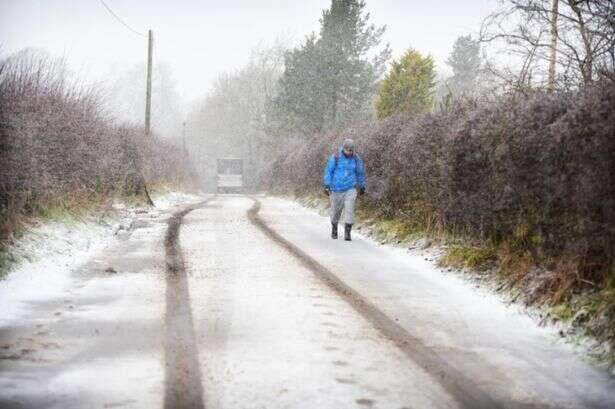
(184, 137)
(148, 104)
(553, 56)
(148, 92)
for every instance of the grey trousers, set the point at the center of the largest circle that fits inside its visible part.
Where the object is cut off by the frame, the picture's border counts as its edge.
(342, 203)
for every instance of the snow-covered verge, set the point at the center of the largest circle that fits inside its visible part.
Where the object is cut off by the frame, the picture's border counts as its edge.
(589, 348)
(48, 251)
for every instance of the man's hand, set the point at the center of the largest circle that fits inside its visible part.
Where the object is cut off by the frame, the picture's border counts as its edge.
(327, 190)
(362, 190)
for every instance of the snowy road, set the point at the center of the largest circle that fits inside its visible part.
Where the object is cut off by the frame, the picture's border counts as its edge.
(246, 303)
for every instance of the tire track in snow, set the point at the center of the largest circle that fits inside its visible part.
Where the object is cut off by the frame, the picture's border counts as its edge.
(183, 386)
(463, 390)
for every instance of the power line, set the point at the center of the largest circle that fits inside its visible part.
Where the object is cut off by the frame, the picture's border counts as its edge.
(120, 20)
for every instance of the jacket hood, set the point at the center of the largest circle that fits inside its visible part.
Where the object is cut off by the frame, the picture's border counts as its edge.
(341, 151)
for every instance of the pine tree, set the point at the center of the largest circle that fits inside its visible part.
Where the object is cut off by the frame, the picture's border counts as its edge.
(408, 86)
(329, 81)
(300, 102)
(465, 61)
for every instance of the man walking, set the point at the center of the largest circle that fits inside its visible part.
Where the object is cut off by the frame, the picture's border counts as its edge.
(344, 177)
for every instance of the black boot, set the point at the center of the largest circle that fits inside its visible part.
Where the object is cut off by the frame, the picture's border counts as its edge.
(334, 230)
(347, 228)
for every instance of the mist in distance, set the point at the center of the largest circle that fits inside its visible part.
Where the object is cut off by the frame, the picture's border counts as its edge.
(197, 42)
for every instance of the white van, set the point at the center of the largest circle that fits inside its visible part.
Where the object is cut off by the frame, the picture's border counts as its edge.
(230, 175)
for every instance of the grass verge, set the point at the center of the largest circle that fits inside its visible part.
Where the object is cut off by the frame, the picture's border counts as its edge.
(69, 210)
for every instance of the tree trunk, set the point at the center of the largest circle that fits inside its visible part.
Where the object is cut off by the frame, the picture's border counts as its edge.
(587, 64)
(553, 56)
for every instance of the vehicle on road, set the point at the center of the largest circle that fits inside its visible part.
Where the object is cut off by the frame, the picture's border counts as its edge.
(229, 178)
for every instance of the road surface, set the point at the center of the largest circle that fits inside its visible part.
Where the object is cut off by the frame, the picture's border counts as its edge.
(241, 302)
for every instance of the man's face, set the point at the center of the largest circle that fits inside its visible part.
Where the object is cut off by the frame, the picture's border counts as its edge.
(348, 151)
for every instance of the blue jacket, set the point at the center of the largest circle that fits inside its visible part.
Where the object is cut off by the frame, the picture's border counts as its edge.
(346, 174)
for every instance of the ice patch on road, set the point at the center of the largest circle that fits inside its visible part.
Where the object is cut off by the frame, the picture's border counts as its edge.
(49, 251)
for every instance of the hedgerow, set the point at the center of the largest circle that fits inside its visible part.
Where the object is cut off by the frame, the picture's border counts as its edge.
(59, 148)
(531, 178)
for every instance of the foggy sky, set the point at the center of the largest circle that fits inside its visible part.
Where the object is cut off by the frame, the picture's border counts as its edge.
(201, 39)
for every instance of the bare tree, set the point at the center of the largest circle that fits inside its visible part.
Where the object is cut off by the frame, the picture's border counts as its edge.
(553, 55)
(233, 118)
(125, 98)
(574, 37)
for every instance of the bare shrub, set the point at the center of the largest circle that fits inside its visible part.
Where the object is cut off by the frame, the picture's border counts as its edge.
(56, 141)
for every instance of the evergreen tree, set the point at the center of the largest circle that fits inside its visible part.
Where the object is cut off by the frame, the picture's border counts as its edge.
(408, 86)
(465, 62)
(329, 81)
(300, 102)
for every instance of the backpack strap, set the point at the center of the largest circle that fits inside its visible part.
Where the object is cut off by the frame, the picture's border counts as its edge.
(337, 158)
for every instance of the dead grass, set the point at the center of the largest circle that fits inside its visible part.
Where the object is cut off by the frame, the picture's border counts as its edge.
(477, 258)
(6, 260)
